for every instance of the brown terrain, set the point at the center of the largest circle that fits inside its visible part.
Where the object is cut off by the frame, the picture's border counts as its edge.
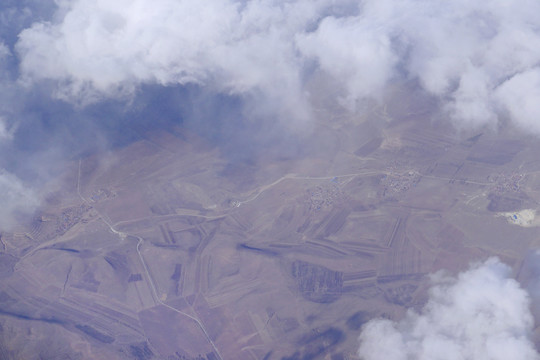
(166, 250)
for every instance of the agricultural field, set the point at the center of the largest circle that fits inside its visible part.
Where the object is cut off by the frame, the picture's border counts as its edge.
(168, 249)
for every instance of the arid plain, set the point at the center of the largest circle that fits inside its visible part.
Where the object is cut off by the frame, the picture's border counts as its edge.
(167, 249)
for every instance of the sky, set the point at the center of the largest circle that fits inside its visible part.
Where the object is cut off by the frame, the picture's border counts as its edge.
(81, 75)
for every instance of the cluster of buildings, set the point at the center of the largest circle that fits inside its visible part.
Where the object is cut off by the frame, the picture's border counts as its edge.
(324, 196)
(506, 183)
(395, 183)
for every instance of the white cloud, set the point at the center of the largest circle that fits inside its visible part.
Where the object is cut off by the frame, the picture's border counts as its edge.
(353, 52)
(106, 46)
(4, 50)
(16, 199)
(460, 51)
(482, 314)
(463, 50)
(6, 133)
(103, 48)
(520, 96)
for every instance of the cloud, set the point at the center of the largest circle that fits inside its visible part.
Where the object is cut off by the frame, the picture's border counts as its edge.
(16, 199)
(235, 67)
(107, 49)
(480, 314)
(519, 95)
(4, 51)
(460, 51)
(529, 276)
(353, 52)
(6, 133)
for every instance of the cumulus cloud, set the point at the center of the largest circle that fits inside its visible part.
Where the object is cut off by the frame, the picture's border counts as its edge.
(464, 50)
(519, 95)
(102, 48)
(481, 314)
(460, 51)
(6, 133)
(16, 199)
(352, 51)
(529, 276)
(4, 50)
(263, 58)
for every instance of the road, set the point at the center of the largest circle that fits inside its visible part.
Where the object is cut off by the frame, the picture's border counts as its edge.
(157, 300)
(253, 195)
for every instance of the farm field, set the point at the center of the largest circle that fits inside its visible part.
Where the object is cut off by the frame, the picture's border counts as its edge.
(167, 249)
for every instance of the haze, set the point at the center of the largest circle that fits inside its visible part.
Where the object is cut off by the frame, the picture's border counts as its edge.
(261, 179)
